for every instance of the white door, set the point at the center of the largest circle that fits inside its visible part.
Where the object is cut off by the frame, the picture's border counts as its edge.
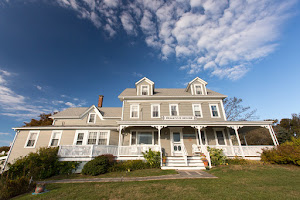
(177, 149)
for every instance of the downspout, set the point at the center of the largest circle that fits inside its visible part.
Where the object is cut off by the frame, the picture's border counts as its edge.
(9, 152)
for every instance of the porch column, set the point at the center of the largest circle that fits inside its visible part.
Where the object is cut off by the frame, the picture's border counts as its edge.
(159, 128)
(272, 136)
(238, 139)
(119, 144)
(230, 141)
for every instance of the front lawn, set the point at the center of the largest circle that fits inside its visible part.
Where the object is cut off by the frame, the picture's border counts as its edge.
(135, 173)
(234, 182)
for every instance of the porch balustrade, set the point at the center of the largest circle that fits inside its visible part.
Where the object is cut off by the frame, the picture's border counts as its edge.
(84, 151)
(253, 150)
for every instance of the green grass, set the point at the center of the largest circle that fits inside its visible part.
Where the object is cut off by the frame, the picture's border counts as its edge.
(234, 182)
(135, 173)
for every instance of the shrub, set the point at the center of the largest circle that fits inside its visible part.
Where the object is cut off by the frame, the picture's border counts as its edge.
(153, 158)
(11, 188)
(217, 156)
(237, 161)
(286, 153)
(97, 166)
(129, 165)
(40, 165)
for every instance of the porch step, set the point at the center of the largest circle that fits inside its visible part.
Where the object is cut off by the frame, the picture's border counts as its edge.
(178, 162)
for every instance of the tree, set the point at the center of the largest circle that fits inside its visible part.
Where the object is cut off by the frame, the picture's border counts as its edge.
(43, 121)
(237, 112)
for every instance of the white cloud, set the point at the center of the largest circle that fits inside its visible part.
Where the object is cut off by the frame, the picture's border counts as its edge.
(211, 35)
(23, 107)
(70, 104)
(137, 74)
(4, 133)
(39, 87)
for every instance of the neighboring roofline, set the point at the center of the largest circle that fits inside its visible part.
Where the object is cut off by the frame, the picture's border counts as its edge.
(146, 79)
(63, 127)
(197, 78)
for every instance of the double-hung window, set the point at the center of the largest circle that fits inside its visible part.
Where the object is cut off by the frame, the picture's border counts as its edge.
(103, 138)
(174, 110)
(80, 137)
(92, 139)
(32, 138)
(55, 138)
(214, 110)
(220, 138)
(92, 118)
(198, 89)
(155, 111)
(145, 90)
(197, 110)
(134, 111)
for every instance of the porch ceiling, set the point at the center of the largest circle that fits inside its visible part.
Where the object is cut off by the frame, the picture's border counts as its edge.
(200, 123)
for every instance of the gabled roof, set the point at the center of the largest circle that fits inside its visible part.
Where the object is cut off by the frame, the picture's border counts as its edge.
(78, 112)
(195, 79)
(145, 79)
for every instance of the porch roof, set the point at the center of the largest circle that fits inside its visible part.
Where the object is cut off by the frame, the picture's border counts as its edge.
(197, 123)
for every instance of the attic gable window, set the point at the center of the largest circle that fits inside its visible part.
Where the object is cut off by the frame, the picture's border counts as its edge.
(145, 90)
(198, 89)
(92, 118)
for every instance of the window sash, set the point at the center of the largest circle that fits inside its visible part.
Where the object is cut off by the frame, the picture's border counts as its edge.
(103, 138)
(31, 139)
(155, 111)
(144, 90)
(134, 111)
(214, 111)
(198, 89)
(145, 138)
(92, 118)
(197, 110)
(55, 139)
(92, 139)
(79, 140)
(174, 110)
(220, 137)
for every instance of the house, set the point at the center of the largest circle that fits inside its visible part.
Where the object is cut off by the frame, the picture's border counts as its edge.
(180, 123)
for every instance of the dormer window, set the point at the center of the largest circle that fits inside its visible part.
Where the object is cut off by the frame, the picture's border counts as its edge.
(145, 90)
(92, 118)
(198, 89)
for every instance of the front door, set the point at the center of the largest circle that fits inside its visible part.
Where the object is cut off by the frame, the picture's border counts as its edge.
(177, 149)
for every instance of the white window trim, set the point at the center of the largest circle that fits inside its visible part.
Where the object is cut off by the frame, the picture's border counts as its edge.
(158, 110)
(171, 110)
(138, 113)
(136, 137)
(205, 136)
(90, 117)
(141, 90)
(200, 110)
(86, 136)
(52, 134)
(216, 138)
(219, 116)
(37, 137)
(195, 91)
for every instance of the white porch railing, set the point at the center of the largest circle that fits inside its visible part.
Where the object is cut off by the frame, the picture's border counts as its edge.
(252, 150)
(76, 151)
(137, 150)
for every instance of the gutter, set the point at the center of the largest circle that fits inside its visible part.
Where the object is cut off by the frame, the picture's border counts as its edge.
(9, 152)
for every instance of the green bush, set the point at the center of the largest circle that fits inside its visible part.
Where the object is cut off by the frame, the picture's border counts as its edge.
(237, 161)
(129, 165)
(11, 188)
(97, 166)
(153, 158)
(217, 156)
(40, 165)
(286, 153)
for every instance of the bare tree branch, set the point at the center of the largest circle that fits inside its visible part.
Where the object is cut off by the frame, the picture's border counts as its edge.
(237, 112)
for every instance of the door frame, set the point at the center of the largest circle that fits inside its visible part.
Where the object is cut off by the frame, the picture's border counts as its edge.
(172, 130)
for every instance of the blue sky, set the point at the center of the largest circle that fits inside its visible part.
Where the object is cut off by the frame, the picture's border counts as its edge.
(58, 54)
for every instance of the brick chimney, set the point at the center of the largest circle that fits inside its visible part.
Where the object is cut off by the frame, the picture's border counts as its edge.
(100, 101)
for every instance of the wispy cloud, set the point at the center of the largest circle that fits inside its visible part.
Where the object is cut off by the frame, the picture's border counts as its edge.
(23, 107)
(39, 87)
(221, 37)
(137, 74)
(4, 133)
